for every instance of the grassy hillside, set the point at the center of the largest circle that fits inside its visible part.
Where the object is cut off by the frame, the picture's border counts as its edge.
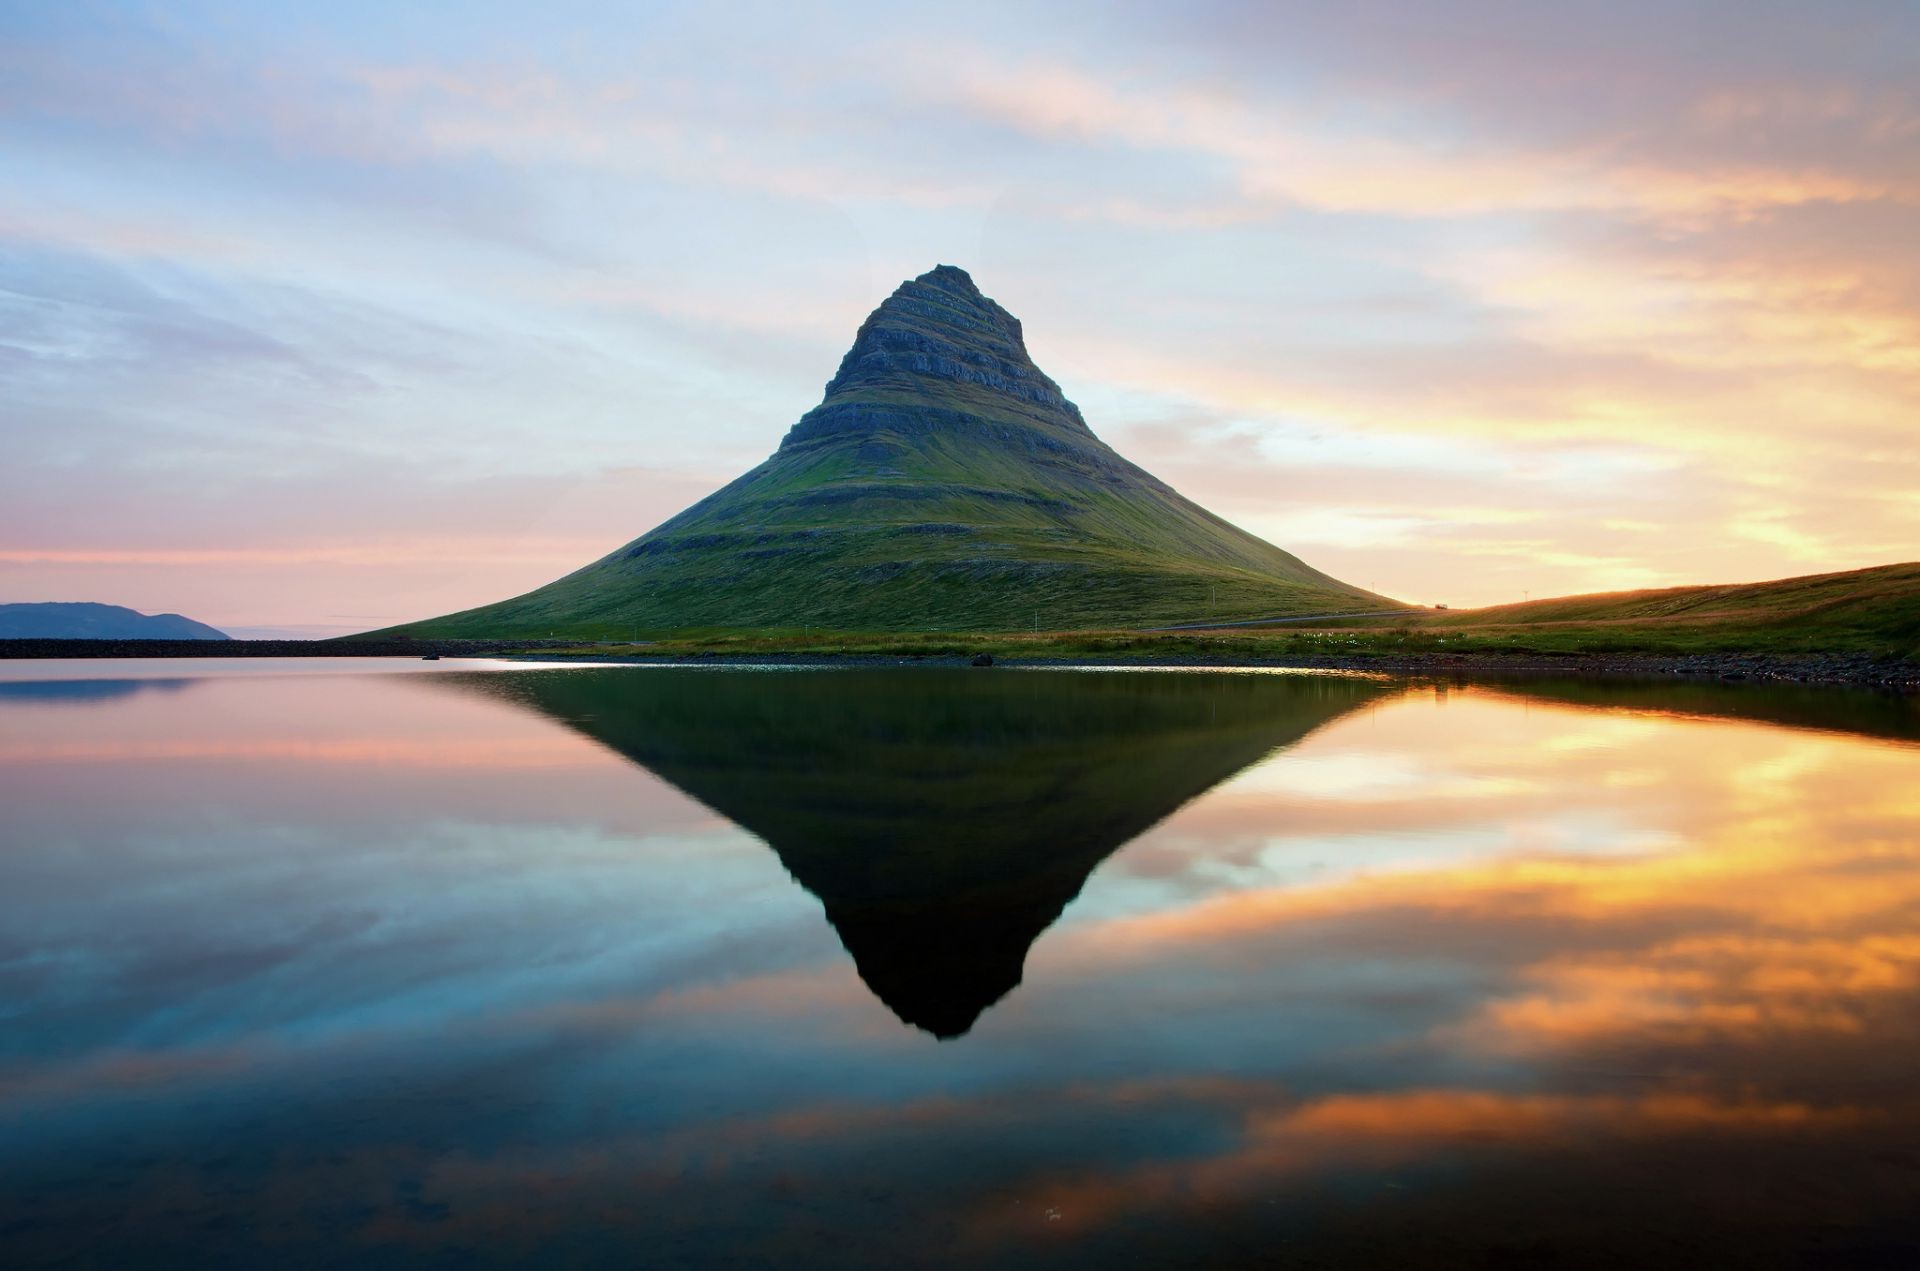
(943, 484)
(1874, 611)
(955, 536)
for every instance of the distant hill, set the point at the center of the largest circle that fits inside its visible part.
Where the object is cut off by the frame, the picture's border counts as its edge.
(943, 483)
(84, 621)
(1873, 610)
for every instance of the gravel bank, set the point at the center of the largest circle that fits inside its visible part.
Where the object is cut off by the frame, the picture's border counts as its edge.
(1859, 672)
(1855, 670)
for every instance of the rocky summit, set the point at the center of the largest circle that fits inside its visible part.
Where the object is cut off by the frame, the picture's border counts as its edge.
(943, 483)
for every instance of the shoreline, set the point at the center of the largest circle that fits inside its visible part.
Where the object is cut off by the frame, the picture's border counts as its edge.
(1841, 670)
(1834, 670)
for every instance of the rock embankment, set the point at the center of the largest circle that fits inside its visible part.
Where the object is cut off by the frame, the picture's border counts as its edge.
(1857, 671)
(1835, 668)
(271, 648)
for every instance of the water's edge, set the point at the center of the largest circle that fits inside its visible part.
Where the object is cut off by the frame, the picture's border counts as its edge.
(1835, 670)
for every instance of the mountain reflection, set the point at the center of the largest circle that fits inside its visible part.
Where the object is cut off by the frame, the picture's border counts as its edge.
(86, 692)
(944, 819)
(388, 970)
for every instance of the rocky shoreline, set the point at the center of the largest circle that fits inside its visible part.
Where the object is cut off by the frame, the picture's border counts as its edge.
(1835, 669)
(1854, 670)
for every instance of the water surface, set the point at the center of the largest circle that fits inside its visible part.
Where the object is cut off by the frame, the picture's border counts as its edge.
(670, 966)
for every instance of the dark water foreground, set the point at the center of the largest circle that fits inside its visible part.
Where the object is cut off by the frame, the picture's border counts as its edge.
(658, 967)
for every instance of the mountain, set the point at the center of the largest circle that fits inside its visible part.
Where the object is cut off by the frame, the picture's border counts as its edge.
(84, 621)
(943, 483)
(943, 818)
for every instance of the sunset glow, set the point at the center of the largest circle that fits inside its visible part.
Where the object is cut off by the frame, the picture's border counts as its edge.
(319, 320)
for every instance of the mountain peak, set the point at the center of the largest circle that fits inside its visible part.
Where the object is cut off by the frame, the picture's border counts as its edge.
(939, 348)
(943, 483)
(953, 279)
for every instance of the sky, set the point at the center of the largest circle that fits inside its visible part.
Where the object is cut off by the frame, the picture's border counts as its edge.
(320, 318)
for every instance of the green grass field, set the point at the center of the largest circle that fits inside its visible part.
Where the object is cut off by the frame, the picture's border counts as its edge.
(1869, 612)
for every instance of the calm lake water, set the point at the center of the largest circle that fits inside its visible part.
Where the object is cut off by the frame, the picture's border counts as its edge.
(442, 964)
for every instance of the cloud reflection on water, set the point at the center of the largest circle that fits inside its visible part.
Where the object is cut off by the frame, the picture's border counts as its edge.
(1458, 970)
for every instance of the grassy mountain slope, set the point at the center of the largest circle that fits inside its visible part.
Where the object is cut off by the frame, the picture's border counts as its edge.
(943, 483)
(1861, 616)
(1873, 611)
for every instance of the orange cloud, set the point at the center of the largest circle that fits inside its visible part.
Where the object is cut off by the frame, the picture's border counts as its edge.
(1293, 159)
(1376, 1130)
(1755, 882)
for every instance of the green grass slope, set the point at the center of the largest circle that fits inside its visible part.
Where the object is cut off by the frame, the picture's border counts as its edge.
(943, 484)
(1874, 611)
(1871, 614)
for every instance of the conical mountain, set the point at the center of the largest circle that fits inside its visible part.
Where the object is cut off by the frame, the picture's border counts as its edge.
(944, 818)
(943, 483)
